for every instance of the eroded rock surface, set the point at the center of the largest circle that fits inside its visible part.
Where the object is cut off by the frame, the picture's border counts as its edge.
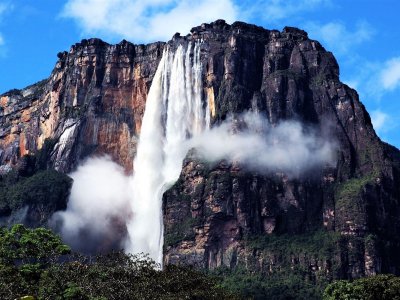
(220, 215)
(92, 103)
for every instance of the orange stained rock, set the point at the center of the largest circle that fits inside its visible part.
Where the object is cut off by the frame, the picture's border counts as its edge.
(26, 116)
(22, 145)
(211, 100)
(4, 101)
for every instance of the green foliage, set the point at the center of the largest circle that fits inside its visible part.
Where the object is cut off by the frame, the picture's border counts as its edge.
(30, 264)
(342, 290)
(23, 255)
(278, 286)
(348, 200)
(119, 276)
(21, 243)
(73, 291)
(352, 187)
(45, 187)
(379, 287)
(283, 279)
(180, 231)
(318, 244)
(12, 92)
(31, 183)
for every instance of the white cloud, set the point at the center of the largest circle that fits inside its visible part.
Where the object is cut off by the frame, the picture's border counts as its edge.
(390, 75)
(98, 207)
(374, 80)
(379, 120)
(3, 8)
(337, 37)
(146, 21)
(286, 147)
(277, 10)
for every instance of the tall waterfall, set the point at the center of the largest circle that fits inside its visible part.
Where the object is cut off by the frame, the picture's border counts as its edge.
(174, 113)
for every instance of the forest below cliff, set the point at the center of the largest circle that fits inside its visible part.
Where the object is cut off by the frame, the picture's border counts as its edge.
(35, 264)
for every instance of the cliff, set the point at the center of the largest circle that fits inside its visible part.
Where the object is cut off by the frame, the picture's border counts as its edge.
(214, 214)
(222, 215)
(92, 103)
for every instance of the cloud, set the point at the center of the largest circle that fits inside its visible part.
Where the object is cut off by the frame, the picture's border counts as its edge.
(145, 21)
(251, 141)
(4, 7)
(152, 20)
(98, 207)
(390, 75)
(379, 120)
(337, 37)
(364, 78)
(273, 11)
(374, 80)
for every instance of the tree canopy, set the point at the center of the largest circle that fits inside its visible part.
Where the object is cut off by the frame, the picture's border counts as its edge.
(35, 262)
(379, 287)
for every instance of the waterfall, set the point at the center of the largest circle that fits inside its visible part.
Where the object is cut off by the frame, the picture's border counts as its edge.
(174, 113)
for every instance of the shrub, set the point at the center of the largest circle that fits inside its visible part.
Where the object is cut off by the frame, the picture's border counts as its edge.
(32, 262)
(379, 287)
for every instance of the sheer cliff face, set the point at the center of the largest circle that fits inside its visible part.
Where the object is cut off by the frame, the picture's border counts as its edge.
(93, 103)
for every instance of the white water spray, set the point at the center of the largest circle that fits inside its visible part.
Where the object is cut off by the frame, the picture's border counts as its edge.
(174, 113)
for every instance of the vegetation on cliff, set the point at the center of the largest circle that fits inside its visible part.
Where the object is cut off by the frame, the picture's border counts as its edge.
(44, 187)
(382, 287)
(33, 185)
(35, 262)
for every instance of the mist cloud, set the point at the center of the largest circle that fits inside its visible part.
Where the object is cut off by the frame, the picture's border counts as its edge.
(98, 207)
(145, 20)
(254, 143)
(390, 75)
(100, 203)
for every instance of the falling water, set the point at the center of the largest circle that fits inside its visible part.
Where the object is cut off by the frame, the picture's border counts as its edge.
(174, 113)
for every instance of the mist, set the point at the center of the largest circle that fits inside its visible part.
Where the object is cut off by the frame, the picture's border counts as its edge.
(98, 207)
(102, 202)
(249, 139)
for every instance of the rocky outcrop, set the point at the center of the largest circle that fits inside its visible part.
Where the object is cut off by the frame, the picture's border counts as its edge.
(222, 215)
(92, 103)
(214, 214)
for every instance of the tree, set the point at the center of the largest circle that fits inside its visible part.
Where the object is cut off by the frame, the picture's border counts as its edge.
(23, 244)
(32, 262)
(24, 253)
(379, 287)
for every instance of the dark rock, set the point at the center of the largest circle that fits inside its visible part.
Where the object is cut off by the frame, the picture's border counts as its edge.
(287, 76)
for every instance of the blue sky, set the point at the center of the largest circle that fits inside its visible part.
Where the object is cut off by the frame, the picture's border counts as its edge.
(364, 35)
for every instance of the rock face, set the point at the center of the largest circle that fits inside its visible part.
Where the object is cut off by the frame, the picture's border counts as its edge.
(92, 103)
(214, 215)
(221, 215)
